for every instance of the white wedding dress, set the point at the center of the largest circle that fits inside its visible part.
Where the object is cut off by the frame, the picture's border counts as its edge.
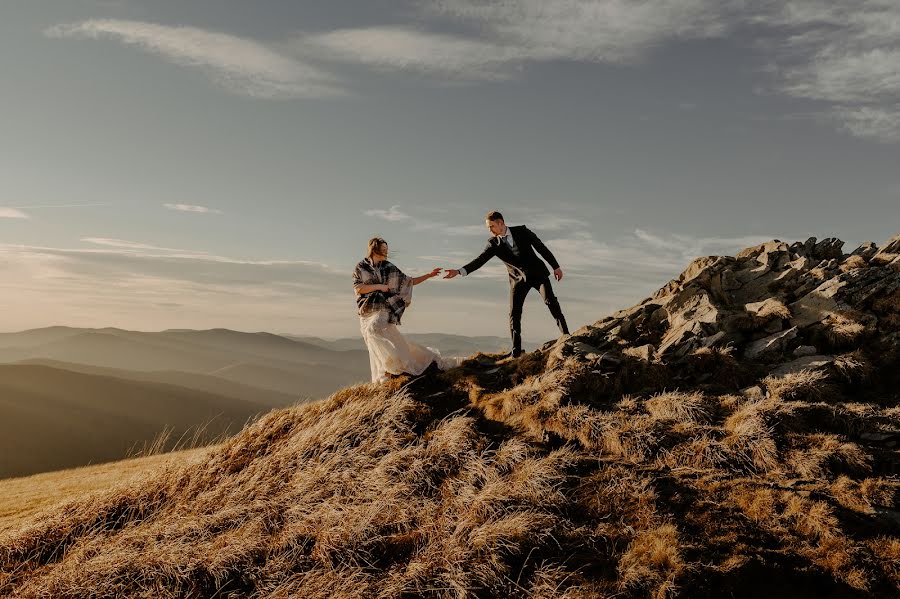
(391, 353)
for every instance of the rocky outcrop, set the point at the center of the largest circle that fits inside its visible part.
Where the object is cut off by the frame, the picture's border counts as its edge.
(775, 303)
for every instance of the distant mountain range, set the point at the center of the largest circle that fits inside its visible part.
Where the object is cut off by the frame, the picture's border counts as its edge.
(73, 396)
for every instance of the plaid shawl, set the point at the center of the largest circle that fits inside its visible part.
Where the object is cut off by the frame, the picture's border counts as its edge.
(394, 301)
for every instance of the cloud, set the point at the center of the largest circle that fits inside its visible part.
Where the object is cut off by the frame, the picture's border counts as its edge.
(240, 65)
(402, 48)
(844, 54)
(123, 283)
(393, 214)
(512, 33)
(191, 208)
(875, 123)
(615, 31)
(12, 213)
(145, 250)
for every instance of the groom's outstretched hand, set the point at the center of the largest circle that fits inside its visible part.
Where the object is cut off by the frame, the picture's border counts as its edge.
(558, 274)
(451, 272)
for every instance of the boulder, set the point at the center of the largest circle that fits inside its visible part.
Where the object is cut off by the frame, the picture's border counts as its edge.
(816, 305)
(805, 350)
(866, 250)
(804, 363)
(891, 246)
(776, 343)
(643, 352)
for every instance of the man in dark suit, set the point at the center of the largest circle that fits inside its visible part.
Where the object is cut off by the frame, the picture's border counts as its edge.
(516, 247)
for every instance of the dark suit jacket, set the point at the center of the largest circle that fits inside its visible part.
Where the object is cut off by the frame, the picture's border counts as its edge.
(524, 267)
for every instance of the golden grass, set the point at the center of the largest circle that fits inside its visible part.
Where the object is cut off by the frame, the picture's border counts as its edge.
(21, 498)
(853, 263)
(842, 329)
(577, 481)
(774, 308)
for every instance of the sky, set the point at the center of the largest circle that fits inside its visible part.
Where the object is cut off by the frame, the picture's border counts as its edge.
(222, 163)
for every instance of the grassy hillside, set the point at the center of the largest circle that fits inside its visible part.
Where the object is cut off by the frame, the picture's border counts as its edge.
(54, 418)
(734, 435)
(21, 498)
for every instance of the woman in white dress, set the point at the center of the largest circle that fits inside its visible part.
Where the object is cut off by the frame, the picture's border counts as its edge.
(383, 293)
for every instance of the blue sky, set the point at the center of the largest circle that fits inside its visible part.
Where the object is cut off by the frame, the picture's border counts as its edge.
(223, 163)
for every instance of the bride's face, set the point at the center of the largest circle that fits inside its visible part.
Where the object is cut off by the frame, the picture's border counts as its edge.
(383, 251)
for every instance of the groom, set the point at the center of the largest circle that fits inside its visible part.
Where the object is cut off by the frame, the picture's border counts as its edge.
(516, 246)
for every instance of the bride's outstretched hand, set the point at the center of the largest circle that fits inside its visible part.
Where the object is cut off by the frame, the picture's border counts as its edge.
(435, 272)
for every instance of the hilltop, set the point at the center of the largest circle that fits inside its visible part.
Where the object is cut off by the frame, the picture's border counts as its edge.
(735, 434)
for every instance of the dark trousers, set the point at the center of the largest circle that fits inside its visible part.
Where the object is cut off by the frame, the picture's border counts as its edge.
(517, 292)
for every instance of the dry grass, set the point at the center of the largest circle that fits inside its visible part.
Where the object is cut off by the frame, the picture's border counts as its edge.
(842, 329)
(854, 367)
(681, 407)
(853, 263)
(702, 478)
(806, 385)
(21, 498)
(774, 308)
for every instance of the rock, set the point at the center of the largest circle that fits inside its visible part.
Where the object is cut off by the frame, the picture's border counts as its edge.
(891, 246)
(582, 348)
(829, 247)
(804, 363)
(816, 305)
(605, 357)
(713, 340)
(880, 437)
(773, 326)
(771, 344)
(866, 250)
(644, 352)
(805, 350)
(754, 393)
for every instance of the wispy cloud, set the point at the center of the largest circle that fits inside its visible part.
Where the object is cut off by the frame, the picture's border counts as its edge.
(125, 283)
(12, 213)
(418, 223)
(240, 65)
(192, 208)
(402, 48)
(511, 33)
(844, 54)
(145, 250)
(393, 214)
(615, 31)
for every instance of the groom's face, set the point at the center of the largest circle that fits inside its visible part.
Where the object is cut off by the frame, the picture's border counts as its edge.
(496, 227)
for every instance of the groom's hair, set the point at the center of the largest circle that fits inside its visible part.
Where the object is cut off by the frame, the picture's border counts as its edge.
(493, 215)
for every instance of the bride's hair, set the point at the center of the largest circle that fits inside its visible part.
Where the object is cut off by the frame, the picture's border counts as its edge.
(375, 247)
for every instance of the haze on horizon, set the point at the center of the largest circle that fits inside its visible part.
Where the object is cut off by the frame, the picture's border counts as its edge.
(171, 165)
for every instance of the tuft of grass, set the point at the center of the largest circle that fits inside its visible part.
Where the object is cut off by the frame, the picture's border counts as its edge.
(774, 308)
(806, 385)
(682, 407)
(842, 329)
(652, 562)
(853, 263)
(854, 367)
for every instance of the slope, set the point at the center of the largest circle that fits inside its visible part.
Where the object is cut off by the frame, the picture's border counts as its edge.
(733, 435)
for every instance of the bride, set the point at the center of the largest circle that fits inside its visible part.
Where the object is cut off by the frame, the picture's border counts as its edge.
(383, 292)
